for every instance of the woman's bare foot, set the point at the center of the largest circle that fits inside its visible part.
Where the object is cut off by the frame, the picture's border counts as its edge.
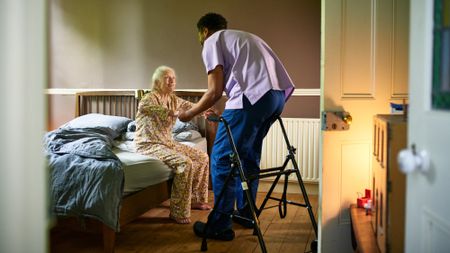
(181, 220)
(201, 206)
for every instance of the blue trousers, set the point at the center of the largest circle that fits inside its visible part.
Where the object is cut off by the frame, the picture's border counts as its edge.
(249, 126)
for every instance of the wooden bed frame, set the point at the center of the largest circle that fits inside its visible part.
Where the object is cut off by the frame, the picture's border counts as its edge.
(125, 103)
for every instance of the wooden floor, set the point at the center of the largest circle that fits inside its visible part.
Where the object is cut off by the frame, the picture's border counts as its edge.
(154, 232)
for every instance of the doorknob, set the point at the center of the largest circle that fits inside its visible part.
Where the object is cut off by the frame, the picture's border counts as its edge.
(347, 118)
(410, 160)
(336, 121)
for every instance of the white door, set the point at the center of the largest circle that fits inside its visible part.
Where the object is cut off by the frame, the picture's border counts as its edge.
(364, 67)
(428, 201)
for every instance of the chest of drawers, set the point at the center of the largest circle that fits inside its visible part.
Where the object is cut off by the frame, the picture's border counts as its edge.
(389, 184)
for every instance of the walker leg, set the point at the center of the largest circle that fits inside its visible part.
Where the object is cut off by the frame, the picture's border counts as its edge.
(245, 186)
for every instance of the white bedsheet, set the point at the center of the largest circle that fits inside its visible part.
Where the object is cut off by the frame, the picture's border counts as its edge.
(141, 170)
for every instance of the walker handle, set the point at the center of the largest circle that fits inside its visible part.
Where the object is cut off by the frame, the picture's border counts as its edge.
(214, 118)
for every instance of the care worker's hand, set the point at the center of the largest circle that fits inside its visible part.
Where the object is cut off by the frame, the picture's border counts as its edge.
(209, 112)
(213, 113)
(185, 115)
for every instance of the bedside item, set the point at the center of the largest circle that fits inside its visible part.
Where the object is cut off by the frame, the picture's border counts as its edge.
(362, 201)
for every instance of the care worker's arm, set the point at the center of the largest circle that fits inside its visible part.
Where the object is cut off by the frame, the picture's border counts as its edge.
(211, 96)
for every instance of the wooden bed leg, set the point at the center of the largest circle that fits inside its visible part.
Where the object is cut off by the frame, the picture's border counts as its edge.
(109, 239)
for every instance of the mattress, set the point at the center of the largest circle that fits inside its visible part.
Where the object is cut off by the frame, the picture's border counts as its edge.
(142, 171)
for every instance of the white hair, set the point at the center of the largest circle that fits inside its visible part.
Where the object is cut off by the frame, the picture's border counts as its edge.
(157, 76)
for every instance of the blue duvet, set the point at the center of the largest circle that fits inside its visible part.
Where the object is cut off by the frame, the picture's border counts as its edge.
(86, 177)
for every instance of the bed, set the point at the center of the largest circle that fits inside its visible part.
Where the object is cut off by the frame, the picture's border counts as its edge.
(140, 190)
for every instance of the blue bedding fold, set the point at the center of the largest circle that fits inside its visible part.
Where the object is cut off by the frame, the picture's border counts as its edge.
(86, 177)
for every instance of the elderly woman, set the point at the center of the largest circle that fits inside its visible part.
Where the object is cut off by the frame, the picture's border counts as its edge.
(154, 121)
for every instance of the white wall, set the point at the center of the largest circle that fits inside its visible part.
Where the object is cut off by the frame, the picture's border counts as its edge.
(23, 184)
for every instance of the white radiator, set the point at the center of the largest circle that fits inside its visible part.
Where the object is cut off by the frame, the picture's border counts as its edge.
(303, 134)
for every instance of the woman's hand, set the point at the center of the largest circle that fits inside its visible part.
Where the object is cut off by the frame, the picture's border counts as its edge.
(187, 115)
(173, 114)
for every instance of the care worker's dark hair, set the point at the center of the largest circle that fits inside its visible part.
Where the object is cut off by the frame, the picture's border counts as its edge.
(212, 21)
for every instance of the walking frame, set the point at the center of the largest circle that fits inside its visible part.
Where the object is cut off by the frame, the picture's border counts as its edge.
(270, 172)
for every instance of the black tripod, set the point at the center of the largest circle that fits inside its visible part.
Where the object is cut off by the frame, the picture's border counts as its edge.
(278, 172)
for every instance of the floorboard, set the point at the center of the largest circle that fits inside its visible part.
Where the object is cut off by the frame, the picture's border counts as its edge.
(154, 232)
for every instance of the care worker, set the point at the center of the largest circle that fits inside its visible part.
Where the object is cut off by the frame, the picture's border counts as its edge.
(257, 86)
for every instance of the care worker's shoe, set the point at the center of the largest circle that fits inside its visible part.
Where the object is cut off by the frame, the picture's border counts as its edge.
(224, 235)
(243, 221)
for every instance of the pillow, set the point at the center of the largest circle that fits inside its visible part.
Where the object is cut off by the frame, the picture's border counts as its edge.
(183, 126)
(131, 126)
(128, 136)
(114, 125)
(187, 135)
